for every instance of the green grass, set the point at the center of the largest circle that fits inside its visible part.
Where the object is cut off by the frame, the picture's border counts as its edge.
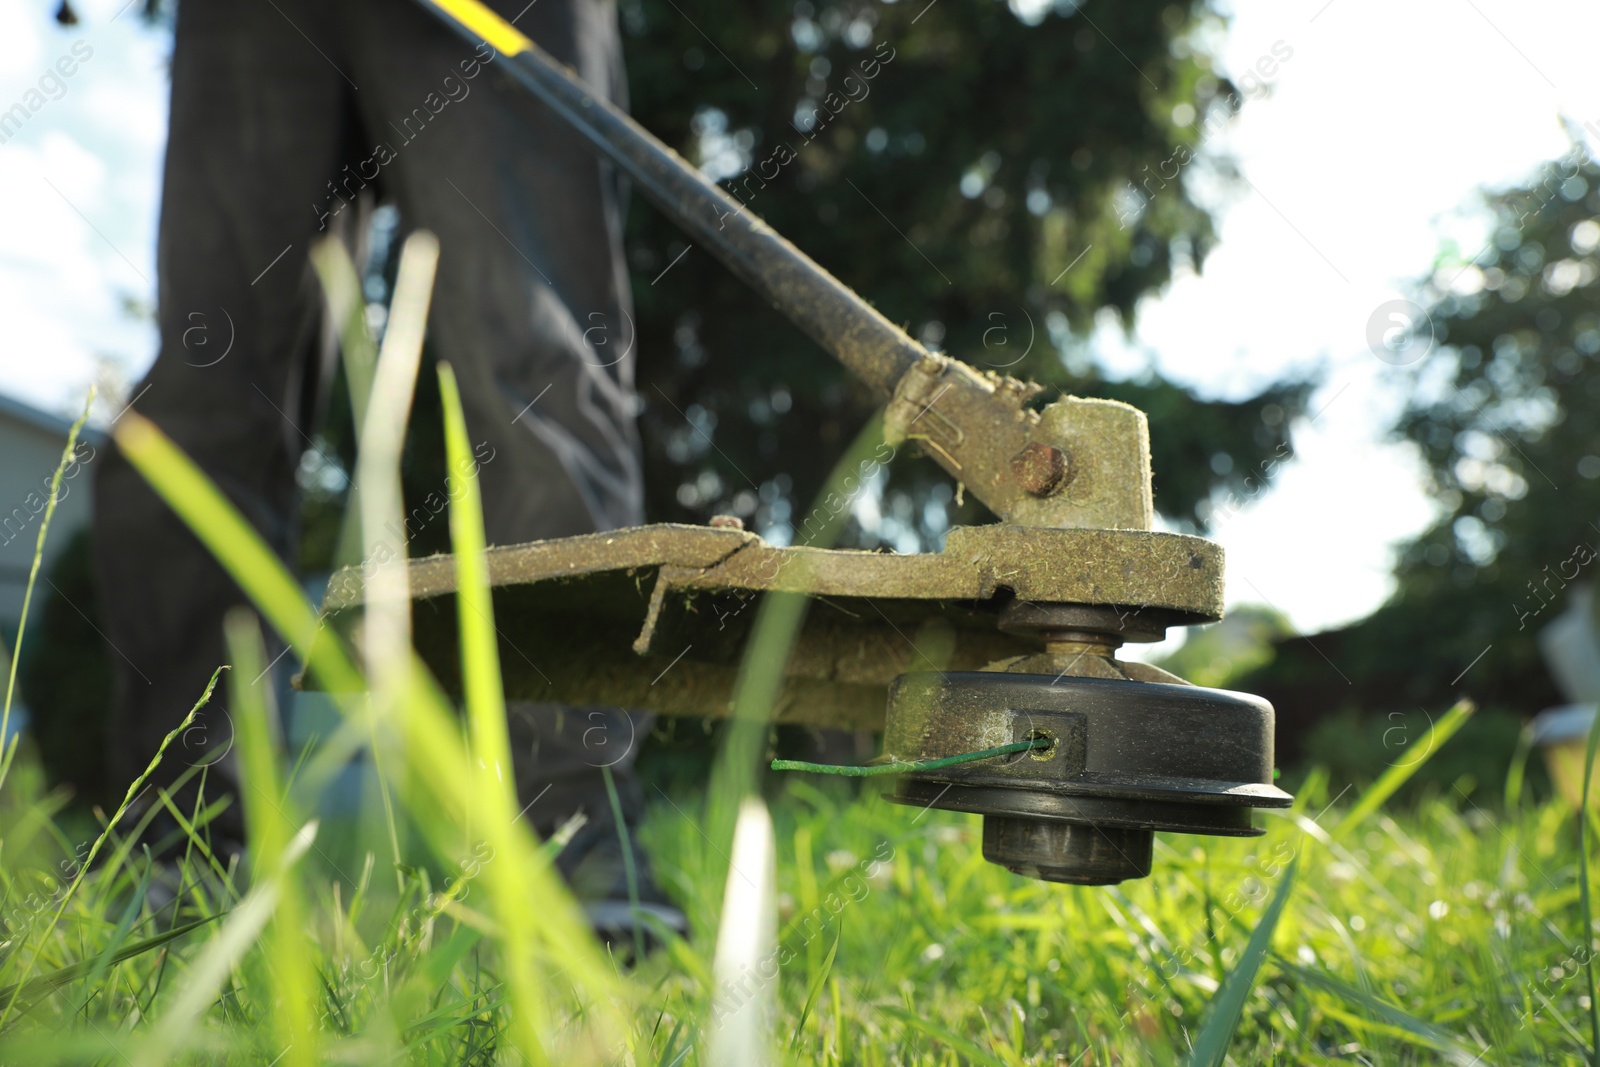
(1423, 935)
(1449, 920)
(436, 932)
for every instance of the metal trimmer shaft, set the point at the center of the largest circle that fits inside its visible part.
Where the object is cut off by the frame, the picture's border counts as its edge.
(871, 346)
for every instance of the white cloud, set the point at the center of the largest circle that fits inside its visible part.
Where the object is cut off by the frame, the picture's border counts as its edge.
(139, 119)
(78, 173)
(22, 52)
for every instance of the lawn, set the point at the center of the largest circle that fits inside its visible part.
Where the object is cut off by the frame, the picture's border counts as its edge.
(1442, 934)
(432, 929)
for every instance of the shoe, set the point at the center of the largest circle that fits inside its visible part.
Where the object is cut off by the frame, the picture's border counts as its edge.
(594, 868)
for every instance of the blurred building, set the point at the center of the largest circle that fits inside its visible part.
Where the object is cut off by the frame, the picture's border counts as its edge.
(31, 442)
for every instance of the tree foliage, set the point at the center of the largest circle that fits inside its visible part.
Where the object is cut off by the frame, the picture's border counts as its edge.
(1506, 413)
(1508, 419)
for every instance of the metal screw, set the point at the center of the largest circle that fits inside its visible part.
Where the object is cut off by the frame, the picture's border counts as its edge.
(1039, 468)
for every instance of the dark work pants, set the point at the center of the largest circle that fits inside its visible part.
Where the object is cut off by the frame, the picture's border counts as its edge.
(281, 113)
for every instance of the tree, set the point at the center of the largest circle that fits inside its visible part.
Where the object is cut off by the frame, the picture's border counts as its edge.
(1506, 417)
(1506, 412)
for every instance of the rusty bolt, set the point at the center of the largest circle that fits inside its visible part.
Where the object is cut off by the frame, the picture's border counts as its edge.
(1039, 468)
(727, 522)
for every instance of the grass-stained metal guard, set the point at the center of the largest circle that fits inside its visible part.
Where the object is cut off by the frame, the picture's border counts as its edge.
(899, 766)
(685, 598)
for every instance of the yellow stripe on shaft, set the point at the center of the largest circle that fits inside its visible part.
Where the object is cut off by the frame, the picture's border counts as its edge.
(484, 22)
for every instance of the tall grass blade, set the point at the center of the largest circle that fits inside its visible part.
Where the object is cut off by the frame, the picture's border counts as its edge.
(237, 547)
(779, 617)
(486, 713)
(114, 943)
(1517, 773)
(1399, 773)
(449, 787)
(387, 619)
(388, 601)
(447, 1017)
(744, 1000)
(630, 873)
(814, 990)
(444, 784)
(271, 821)
(73, 971)
(481, 687)
(8, 750)
(1227, 1005)
(671, 1054)
(358, 356)
(964, 1047)
(257, 570)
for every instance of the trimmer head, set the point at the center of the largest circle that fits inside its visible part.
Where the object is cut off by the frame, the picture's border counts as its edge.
(1126, 759)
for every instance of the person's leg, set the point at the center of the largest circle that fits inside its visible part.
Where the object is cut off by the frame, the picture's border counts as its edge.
(531, 306)
(561, 752)
(257, 119)
(533, 312)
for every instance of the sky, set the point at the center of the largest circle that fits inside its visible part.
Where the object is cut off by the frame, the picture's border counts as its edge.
(80, 183)
(1360, 161)
(1362, 165)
